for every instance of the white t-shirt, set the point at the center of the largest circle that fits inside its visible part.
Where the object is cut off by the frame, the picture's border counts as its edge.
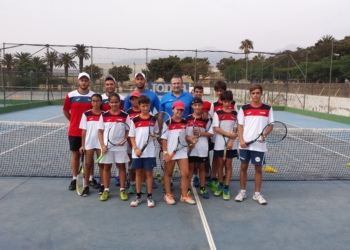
(89, 122)
(139, 129)
(254, 119)
(224, 120)
(105, 123)
(201, 148)
(172, 133)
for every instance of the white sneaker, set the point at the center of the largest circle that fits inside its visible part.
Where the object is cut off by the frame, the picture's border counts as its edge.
(150, 202)
(259, 198)
(241, 196)
(135, 202)
(168, 198)
(188, 199)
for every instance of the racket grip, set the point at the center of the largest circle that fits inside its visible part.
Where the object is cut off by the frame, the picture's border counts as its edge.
(143, 148)
(225, 151)
(99, 158)
(250, 142)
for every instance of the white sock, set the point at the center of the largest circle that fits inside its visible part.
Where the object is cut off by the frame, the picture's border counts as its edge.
(121, 189)
(74, 177)
(107, 189)
(257, 192)
(91, 176)
(243, 191)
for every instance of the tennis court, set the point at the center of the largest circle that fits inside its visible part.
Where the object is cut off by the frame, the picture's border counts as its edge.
(41, 213)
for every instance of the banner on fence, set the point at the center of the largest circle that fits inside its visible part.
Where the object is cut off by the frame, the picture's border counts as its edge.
(161, 88)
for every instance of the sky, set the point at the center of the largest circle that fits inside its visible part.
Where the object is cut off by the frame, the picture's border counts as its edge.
(177, 24)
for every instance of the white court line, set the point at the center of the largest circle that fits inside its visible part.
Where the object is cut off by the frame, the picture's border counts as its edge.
(204, 220)
(51, 118)
(32, 141)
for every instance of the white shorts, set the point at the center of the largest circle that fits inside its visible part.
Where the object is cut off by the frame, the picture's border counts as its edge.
(129, 150)
(115, 157)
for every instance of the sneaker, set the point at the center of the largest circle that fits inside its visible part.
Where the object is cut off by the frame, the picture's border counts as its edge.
(132, 189)
(123, 195)
(154, 184)
(143, 188)
(169, 199)
(104, 195)
(72, 185)
(226, 195)
(102, 188)
(259, 198)
(135, 202)
(241, 196)
(213, 186)
(207, 180)
(196, 181)
(93, 183)
(85, 192)
(171, 187)
(117, 181)
(127, 184)
(219, 190)
(204, 193)
(150, 202)
(188, 199)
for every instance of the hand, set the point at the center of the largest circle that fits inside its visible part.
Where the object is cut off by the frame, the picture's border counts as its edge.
(166, 158)
(262, 138)
(138, 152)
(242, 144)
(193, 140)
(230, 145)
(122, 142)
(205, 116)
(196, 132)
(104, 149)
(233, 136)
(81, 150)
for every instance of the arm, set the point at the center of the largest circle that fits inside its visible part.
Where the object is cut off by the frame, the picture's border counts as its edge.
(225, 133)
(165, 151)
(100, 138)
(83, 136)
(240, 136)
(134, 146)
(66, 114)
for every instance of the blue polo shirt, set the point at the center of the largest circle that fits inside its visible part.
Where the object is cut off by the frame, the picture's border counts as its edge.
(153, 96)
(168, 100)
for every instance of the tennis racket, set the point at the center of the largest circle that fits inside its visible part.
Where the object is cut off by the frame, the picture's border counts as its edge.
(80, 183)
(162, 166)
(159, 118)
(115, 136)
(196, 127)
(181, 142)
(228, 123)
(277, 134)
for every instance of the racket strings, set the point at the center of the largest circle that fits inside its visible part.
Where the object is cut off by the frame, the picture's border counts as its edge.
(278, 133)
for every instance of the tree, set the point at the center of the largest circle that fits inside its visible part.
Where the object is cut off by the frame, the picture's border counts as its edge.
(9, 62)
(66, 60)
(246, 46)
(23, 57)
(189, 67)
(81, 51)
(96, 71)
(38, 63)
(121, 73)
(165, 68)
(52, 59)
(225, 62)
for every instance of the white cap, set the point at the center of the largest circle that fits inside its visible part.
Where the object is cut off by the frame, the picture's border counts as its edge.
(84, 74)
(110, 77)
(140, 73)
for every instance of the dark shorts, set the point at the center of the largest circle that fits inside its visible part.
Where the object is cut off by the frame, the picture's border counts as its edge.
(197, 159)
(145, 163)
(74, 143)
(229, 154)
(211, 146)
(256, 157)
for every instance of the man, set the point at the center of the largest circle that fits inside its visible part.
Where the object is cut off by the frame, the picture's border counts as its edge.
(110, 86)
(140, 83)
(176, 94)
(75, 104)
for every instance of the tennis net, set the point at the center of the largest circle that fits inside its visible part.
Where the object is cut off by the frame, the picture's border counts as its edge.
(42, 150)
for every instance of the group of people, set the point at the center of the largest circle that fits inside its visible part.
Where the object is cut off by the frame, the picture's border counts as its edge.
(91, 115)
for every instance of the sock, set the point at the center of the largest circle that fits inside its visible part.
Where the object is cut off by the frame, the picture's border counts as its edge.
(257, 192)
(121, 189)
(107, 189)
(138, 195)
(220, 183)
(214, 179)
(226, 187)
(91, 176)
(74, 177)
(188, 189)
(102, 185)
(195, 175)
(202, 188)
(149, 195)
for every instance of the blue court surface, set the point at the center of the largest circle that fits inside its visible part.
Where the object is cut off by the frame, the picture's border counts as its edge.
(41, 213)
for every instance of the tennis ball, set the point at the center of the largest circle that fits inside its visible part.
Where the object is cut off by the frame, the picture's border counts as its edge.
(158, 174)
(348, 164)
(176, 170)
(82, 171)
(160, 179)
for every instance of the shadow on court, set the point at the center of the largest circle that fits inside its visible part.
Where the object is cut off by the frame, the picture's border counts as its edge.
(40, 213)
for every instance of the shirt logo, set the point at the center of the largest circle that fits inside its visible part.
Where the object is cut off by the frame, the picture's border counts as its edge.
(249, 113)
(77, 99)
(90, 119)
(263, 113)
(108, 120)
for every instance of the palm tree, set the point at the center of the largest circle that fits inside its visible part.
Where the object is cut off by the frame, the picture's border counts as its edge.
(81, 51)
(327, 39)
(246, 46)
(9, 62)
(23, 57)
(38, 62)
(51, 58)
(66, 60)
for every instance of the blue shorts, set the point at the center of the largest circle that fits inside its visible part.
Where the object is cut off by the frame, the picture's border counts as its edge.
(145, 163)
(256, 157)
(229, 153)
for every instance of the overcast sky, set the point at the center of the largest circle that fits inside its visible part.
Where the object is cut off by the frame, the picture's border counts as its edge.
(177, 24)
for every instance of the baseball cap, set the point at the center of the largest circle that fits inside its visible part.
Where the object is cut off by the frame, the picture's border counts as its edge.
(110, 77)
(140, 73)
(135, 93)
(179, 105)
(197, 100)
(84, 74)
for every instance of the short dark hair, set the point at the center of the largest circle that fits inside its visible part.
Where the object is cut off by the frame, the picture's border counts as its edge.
(97, 95)
(143, 99)
(176, 76)
(254, 87)
(220, 85)
(226, 96)
(200, 87)
(115, 95)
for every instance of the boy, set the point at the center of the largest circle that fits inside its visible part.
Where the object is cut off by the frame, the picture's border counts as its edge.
(224, 125)
(219, 87)
(198, 137)
(252, 118)
(147, 159)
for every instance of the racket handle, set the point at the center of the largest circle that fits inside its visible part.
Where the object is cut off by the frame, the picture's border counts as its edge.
(99, 158)
(250, 142)
(171, 155)
(144, 147)
(225, 151)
